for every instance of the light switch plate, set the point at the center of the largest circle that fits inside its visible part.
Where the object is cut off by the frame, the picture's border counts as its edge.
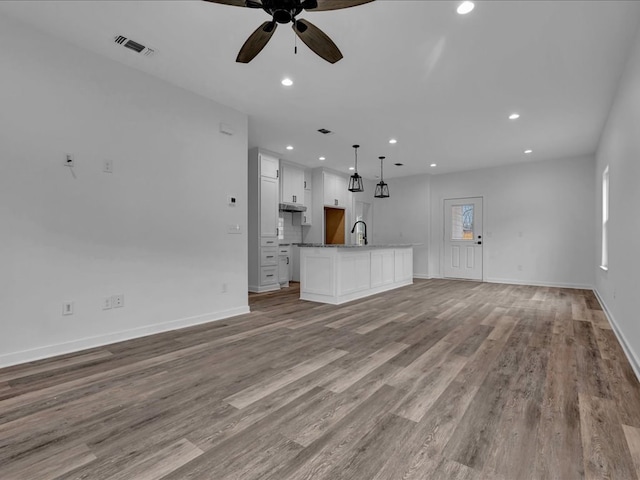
(234, 229)
(67, 308)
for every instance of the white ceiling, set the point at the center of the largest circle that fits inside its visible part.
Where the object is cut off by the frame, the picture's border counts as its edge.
(441, 83)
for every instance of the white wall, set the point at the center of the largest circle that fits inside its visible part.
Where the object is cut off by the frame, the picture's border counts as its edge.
(619, 287)
(154, 230)
(404, 218)
(537, 215)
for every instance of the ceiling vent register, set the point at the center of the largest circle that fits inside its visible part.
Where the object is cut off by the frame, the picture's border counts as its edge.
(133, 45)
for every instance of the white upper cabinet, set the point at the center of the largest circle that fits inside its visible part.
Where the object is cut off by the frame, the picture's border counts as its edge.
(336, 193)
(269, 166)
(269, 186)
(308, 176)
(292, 183)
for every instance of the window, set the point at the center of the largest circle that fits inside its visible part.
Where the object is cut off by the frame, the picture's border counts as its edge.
(462, 222)
(604, 264)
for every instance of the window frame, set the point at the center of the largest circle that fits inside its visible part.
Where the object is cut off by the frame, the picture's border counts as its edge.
(606, 189)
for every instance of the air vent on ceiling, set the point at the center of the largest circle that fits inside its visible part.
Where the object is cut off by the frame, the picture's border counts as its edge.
(135, 46)
(324, 131)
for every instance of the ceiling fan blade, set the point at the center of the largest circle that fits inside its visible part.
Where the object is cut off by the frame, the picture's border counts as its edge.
(317, 40)
(324, 5)
(256, 42)
(239, 3)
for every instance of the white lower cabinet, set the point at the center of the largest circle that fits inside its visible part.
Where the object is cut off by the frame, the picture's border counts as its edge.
(403, 265)
(382, 267)
(284, 260)
(340, 274)
(354, 272)
(268, 275)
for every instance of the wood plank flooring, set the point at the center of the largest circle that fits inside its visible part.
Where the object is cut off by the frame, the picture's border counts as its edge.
(438, 380)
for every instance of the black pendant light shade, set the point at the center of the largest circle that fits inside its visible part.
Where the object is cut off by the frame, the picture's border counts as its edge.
(356, 183)
(382, 189)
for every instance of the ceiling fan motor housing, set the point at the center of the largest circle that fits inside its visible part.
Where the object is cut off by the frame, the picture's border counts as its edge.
(282, 11)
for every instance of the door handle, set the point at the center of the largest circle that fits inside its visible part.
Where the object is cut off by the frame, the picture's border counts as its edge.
(479, 243)
(287, 260)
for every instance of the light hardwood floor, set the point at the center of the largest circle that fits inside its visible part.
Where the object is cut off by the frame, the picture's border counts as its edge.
(437, 380)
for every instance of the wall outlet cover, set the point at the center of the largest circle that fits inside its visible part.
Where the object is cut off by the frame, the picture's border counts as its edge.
(117, 301)
(234, 229)
(107, 166)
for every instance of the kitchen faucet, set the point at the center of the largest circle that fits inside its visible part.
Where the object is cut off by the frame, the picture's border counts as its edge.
(365, 230)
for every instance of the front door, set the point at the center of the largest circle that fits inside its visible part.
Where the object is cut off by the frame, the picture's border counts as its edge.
(463, 238)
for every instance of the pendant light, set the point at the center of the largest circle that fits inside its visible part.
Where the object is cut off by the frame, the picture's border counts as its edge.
(382, 189)
(355, 182)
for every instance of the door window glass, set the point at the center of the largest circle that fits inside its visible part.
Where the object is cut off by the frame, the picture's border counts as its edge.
(462, 222)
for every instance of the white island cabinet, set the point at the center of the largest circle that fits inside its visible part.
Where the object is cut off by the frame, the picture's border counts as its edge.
(340, 273)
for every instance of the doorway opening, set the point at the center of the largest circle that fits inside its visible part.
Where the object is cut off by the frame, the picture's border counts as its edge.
(333, 226)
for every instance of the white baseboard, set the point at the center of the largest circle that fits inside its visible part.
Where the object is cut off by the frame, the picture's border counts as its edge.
(48, 351)
(422, 276)
(510, 281)
(268, 288)
(631, 356)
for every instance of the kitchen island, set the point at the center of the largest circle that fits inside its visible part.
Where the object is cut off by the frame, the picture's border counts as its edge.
(337, 274)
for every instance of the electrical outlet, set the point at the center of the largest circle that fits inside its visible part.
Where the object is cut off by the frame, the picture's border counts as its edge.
(107, 166)
(67, 308)
(106, 303)
(519, 268)
(117, 301)
(69, 161)
(234, 229)
(224, 288)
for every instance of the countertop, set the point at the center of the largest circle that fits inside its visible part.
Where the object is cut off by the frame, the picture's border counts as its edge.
(323, 245)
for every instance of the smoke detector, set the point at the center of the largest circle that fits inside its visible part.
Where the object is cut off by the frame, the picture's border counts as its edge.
(133, 45)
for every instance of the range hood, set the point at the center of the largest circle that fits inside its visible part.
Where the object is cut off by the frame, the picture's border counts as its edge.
(292, 207)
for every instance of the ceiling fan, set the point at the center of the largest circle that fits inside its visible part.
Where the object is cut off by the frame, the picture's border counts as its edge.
(285, 11)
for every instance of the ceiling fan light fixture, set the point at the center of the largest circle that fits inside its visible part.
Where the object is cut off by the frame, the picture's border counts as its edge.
(382, 189)
(356, 182)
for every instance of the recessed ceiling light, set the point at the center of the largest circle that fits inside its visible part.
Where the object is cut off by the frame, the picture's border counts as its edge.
(322, 159)
(393, 141)
(465, 7)
(528, 151)
(433, 165)
(287, 82)
(514, 116)
(352, 168)
(289, 147)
